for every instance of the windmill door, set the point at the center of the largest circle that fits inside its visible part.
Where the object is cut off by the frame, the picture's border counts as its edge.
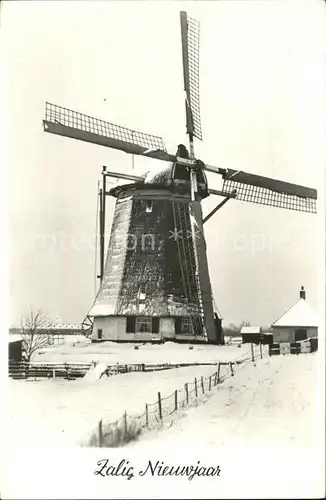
(300, 334)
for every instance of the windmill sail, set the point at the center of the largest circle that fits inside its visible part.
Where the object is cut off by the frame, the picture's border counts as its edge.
(69, 123)
(190, 30)
(272, 192)
(249, 187)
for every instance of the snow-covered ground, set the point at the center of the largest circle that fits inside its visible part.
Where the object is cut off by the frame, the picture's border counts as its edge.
(77, 348)
(274, 402)
(60, 412)
(262, 426)
(276, 398)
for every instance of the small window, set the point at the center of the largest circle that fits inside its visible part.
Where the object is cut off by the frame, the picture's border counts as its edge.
(148, 242)
(143, 325)
(142, 290)
(149, 206)
(99, 333)
(185, 326)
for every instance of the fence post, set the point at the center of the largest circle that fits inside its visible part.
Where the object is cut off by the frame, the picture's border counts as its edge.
(202, 385)
(215, 379)
(176, 399)
(159, 405)
(53, 374)
(125, 425)
(231, 368)
(100, 433)
(261, 350)
(146, 414)
(210, 383)
(218, 373)
(196, 389)
(187, 393)
(252, 353)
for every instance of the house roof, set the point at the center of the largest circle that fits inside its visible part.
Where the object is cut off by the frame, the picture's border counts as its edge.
(250, 329)
(299, 314)
(14, 337)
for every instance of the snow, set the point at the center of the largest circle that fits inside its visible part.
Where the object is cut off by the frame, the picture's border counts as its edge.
(95, 372)
(274, 402)
(13, 337)
(65, 413)
(250, 329)
(300, 314)
(77, 348)
(262, 426)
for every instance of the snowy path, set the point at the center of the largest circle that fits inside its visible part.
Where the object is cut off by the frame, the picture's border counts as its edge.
(274, 402)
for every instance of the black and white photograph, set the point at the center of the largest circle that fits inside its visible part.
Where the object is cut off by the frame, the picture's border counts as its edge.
(163, 191)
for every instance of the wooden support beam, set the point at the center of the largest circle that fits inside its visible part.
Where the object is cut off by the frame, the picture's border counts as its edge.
(222, 193)
(220, 205)
(102, 238)
(119, 175)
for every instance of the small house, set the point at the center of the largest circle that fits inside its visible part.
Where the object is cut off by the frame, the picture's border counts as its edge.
(15, 349)
(251, 334)
(298, 323)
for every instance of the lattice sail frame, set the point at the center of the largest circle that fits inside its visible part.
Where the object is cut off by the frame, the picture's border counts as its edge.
(265, 196)
(81, 122)
(190, 33)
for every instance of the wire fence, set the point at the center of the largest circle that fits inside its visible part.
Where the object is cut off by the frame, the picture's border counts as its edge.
(128, 427)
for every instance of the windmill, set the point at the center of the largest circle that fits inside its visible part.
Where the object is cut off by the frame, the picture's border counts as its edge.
(155, 282)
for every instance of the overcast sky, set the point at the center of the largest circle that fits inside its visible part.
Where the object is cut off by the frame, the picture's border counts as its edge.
(262, 90)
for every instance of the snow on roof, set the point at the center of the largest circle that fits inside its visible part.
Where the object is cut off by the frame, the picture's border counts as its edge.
(161, 175)
(250, 329)
(14, 337)
(101, 310)
(299, 314)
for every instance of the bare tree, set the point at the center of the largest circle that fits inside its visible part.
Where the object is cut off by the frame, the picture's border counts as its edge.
(35, 330)
(244, 322)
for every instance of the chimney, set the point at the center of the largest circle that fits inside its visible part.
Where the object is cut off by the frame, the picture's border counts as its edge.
(303, 293)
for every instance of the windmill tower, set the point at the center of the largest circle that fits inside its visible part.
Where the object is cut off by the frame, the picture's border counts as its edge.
(155, 281)
(153, 285)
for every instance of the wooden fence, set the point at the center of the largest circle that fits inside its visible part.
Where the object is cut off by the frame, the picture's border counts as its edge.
(128, 427)
(19, 370)
(302, 347)
(72, 370)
